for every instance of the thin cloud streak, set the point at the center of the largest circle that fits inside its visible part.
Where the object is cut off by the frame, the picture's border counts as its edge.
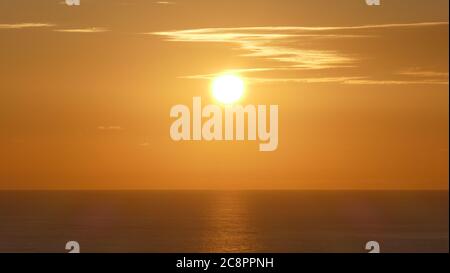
(395, 82)
(165, 3)
(340, 80)
(262, 45)
(289, 49)
(25, 25)
(343, 80)
(298, 29)
(83, 30)
(424, 73)
(48, 25)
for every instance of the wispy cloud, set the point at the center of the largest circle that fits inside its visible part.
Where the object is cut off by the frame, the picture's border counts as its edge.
(25, 25)
(343, 80)
(267, 42)
(424, 73)
(395, 82)
(83, 30)
(165, 3)
(306, 49)
(299, 29)
(48, 25)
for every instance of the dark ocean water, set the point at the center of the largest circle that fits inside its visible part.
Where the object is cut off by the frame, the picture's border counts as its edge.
(224, 221)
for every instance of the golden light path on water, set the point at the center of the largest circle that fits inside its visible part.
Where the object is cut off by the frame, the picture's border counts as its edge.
(229, 228)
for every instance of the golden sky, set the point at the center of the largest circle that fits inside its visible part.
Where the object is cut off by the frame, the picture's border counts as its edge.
(85, 93)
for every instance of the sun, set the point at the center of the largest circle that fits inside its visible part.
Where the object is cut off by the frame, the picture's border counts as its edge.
(227, 89)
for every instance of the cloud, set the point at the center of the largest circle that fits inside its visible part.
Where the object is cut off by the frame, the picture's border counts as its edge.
(165, 3)
(298, 29)
(25, 25)
(267, 42)
(47, 25)
(424, 73)
(83, 30)
(394, 82)
(302, 50)
(308, 80)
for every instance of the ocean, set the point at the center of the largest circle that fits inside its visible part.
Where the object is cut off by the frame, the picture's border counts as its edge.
(224, 221)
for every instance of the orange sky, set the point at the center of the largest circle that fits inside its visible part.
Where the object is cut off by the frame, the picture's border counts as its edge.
(85, 93)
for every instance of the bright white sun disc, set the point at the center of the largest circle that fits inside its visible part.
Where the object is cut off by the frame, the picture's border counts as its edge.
(227, 88)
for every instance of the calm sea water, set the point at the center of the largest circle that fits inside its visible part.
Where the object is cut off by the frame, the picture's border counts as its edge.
(224, 221)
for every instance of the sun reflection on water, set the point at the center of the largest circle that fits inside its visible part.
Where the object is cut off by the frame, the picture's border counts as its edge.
(230, 230)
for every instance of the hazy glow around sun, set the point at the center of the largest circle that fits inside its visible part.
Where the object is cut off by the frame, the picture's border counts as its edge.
(227, 88)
